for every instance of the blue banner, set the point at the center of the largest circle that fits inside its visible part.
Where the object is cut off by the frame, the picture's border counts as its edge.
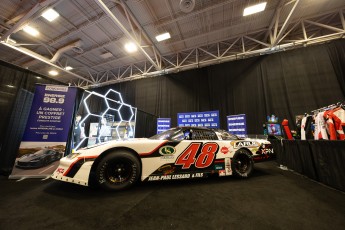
(163, 124)
(51, 114)
(208, 119)
(237, 125)
(46, 132)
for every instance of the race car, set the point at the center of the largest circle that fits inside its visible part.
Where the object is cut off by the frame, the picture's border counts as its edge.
(178, 153)
(38, 159)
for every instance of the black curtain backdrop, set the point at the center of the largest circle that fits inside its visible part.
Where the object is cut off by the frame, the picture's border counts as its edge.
(285, 84)
(15, 104)
(319, 160)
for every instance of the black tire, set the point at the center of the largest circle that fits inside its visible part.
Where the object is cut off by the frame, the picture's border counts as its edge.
(242, 164)
(118, 170)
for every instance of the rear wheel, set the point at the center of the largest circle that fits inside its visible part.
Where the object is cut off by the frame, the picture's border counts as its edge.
(242, 164)
(118, 170)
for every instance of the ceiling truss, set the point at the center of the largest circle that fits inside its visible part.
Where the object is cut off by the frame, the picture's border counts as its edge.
(289, 35)
(282, 34)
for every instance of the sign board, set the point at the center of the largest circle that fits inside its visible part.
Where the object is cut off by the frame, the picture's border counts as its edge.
(237, 125)
(46, 133)
(208, 119)
(163, 124)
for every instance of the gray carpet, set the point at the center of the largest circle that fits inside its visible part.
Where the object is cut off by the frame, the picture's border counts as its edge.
(270, 199)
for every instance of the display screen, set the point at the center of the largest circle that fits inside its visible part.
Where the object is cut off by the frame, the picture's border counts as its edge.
(274, 129)
(199, 119)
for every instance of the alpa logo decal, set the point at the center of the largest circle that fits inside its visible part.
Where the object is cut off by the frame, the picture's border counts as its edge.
(245, 144)
(167, 150)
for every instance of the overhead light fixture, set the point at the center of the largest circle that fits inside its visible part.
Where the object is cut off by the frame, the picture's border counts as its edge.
(53, 72)
(30, 30)
(68, 68)
(131, 47)
(254, 9)
(50, 15)
(163, 37)
(38, 77)
(10, 86)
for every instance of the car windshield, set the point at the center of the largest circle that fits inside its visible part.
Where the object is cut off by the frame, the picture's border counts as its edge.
(224, 135)
(174, 134)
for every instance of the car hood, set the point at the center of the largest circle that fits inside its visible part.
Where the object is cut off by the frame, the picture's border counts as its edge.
(31, 157)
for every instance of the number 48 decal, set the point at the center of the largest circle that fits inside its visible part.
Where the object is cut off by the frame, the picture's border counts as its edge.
(189, 156)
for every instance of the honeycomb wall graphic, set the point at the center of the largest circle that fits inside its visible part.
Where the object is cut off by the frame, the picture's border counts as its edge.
(112, 107)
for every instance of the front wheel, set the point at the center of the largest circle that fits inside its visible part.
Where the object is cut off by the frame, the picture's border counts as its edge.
(242, 164)
(118, 171)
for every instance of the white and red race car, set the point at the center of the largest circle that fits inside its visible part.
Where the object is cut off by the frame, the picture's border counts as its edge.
(178, 153)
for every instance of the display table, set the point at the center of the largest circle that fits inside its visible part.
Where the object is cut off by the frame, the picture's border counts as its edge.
(320, 160)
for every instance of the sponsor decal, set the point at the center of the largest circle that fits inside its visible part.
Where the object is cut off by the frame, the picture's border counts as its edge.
(218, 167)
(60, 170)
(267, 151)
(167, 150)
(221, 173)
(224, 150)
(241, 144)
(227, 163)
(166, 169)
(176, 176)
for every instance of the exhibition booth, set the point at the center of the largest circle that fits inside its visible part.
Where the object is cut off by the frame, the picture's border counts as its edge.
(236, 96)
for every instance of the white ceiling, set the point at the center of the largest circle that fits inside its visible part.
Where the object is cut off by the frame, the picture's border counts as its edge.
(214, 31)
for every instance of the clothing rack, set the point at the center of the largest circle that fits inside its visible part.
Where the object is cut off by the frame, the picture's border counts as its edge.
(332, 106)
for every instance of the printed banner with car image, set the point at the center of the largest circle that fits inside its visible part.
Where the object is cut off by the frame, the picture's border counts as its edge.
(46, 132)
(208, 119)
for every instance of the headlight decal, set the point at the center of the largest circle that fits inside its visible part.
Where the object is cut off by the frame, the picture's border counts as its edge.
(74, 168)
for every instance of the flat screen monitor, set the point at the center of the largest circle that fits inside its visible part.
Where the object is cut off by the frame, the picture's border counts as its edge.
(274, 129)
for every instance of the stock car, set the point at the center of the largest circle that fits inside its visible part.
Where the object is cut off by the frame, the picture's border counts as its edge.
(38, 159)
(178, 153)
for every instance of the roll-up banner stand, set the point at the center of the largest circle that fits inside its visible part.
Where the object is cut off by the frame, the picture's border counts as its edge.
(208, 119)
(46, 132)
(237, 125)
(163, 124)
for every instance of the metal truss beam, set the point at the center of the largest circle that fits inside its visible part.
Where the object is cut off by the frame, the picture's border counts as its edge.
(293, 35)
(156, 60)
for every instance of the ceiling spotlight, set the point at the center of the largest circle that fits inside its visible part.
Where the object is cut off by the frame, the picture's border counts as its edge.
(68, 68)
(53, 72)
(163, 37)
(30, 30)
(50, 15)
(254, 9)
(131, 47)
(10, 86)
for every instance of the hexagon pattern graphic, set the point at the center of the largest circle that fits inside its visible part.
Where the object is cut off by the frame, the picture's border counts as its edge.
(113, 103)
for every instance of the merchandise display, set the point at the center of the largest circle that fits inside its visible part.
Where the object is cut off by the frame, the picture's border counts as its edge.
(329, 123)
(178, 153)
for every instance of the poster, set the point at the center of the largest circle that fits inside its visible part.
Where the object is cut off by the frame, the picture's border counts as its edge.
(163, 124)
(237, 125)
(208, 119)
(46, 133)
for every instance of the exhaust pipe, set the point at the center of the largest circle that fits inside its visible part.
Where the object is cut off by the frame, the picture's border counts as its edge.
(75, 46)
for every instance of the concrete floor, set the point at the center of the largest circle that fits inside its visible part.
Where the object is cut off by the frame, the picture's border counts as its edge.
(271, 199)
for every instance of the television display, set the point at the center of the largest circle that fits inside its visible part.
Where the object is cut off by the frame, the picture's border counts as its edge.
(274, 129)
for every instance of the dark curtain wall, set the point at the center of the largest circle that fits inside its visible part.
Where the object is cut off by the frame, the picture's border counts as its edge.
(285, 84)
(15, 104)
